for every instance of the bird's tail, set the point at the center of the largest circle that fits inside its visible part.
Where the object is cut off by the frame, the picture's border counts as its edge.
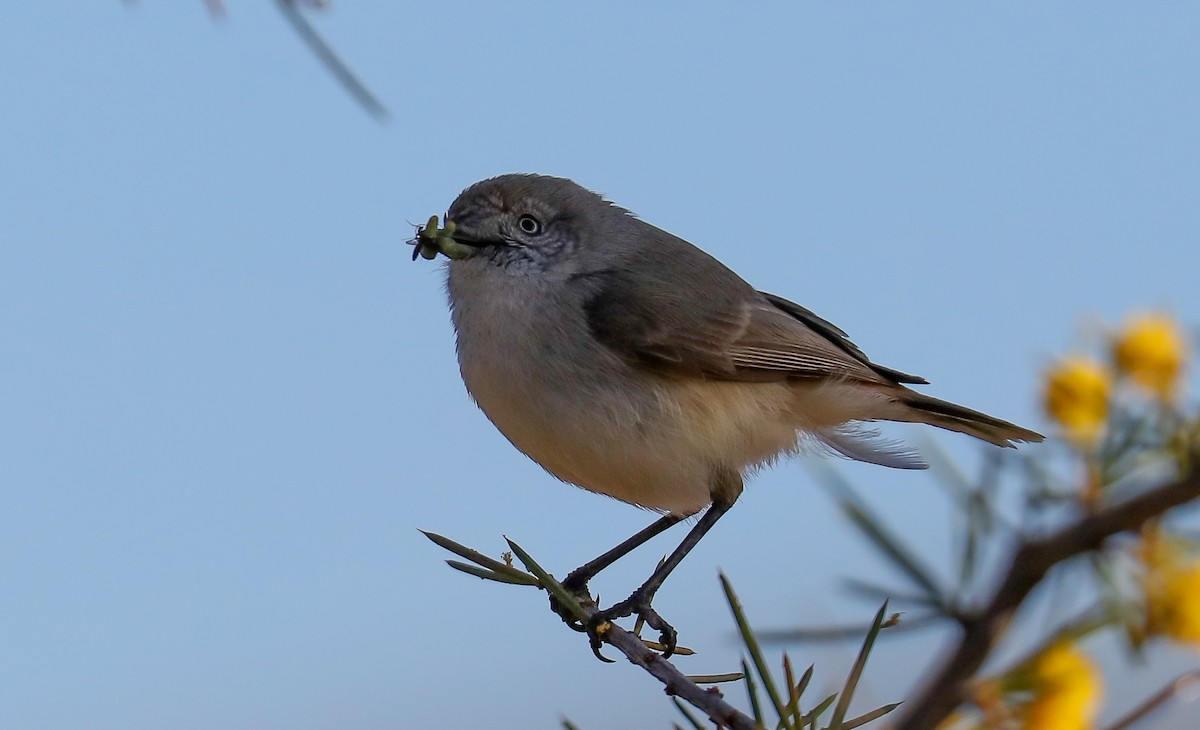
(953, 417)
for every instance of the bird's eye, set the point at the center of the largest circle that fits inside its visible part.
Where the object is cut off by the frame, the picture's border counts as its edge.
(529, 225)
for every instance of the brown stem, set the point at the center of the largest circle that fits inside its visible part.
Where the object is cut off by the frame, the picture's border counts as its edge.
(982, 629)
(675, 682)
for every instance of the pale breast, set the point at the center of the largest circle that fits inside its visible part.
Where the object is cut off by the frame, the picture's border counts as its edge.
(591, 419)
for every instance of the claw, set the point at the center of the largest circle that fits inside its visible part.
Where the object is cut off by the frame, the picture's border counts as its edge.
(667, 636)
(639, 605)
(594, 633)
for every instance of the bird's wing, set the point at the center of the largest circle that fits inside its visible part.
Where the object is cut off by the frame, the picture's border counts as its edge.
(775, 340)
(690, 316)
(839, 338)
(666, 322)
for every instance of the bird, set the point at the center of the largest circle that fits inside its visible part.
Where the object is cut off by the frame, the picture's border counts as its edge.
(629, 362)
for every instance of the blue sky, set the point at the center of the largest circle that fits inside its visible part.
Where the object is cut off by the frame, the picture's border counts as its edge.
(230, 399)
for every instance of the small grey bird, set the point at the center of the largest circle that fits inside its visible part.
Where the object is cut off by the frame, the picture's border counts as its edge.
(626, 361)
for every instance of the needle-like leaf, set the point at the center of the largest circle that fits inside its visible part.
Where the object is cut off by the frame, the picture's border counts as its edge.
(789, 681)
(476, 557)
(752, 646)
(752, 691)
(486, 574)
(814, 715)
(866, 717)
(805, 679)
(692, 719)
(715, 678)
(679, 650)
(552, 586)
(888, 545)
(847, 693)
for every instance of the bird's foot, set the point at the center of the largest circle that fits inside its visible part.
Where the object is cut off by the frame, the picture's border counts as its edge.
(639, 604)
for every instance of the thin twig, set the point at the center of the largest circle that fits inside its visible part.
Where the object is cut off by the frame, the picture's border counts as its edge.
(1180, 685)
(332, 61)
(675, 682)
(982, 629)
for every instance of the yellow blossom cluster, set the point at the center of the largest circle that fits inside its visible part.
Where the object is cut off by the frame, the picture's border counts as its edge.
(1150, 351)
(1123, 415)
(1076, 396)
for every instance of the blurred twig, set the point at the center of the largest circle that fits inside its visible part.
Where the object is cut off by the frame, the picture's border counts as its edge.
(981, 629)
(336, 66)
(1186, 683)
(323, 51)
(840, 633)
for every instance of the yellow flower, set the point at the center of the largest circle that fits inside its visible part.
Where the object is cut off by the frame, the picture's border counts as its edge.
(1151, 351)
(1076, 396)
(1066, 690)
(1172, 585)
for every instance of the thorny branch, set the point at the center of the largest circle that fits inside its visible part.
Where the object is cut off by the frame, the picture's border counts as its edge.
(982, 629)
(675, 682)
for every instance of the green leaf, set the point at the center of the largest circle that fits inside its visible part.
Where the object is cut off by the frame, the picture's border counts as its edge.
(789, 681)
(805, 679)
(847, 693)
(883, 593)
(476, 557)
(814, 715)
(752, 646)
(752, 691)
(548, 582)
(887, 544)
(866, 717)
(486, 574)
(692, 719)
(715, 678)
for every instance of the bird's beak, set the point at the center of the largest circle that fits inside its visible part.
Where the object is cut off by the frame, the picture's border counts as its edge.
(466, 237)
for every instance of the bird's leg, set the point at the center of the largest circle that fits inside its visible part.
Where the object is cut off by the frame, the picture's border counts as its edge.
(639, 601)
(577, 580)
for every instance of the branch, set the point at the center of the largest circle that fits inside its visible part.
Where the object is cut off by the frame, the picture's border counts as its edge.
(676, 682)
(331, 60)
(581, 608)
(1181, 685)
(982, 629)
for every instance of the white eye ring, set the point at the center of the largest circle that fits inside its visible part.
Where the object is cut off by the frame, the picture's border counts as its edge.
(529, 225)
